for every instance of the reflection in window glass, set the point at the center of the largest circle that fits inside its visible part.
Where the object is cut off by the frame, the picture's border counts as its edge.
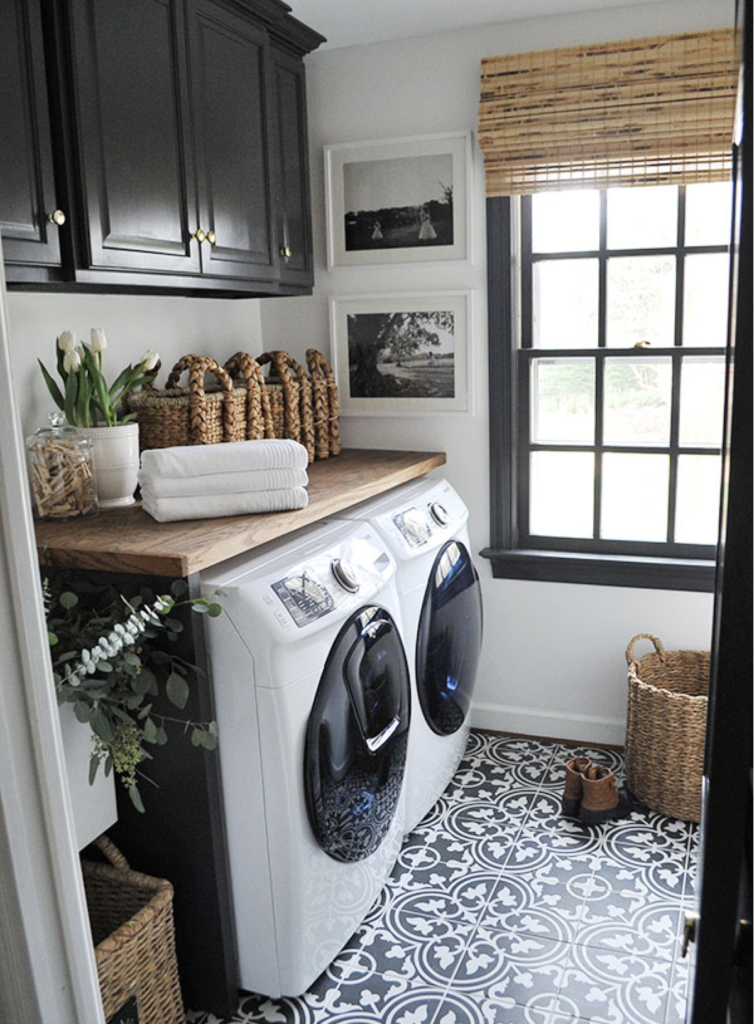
(702, 401)
(640, 300)
(698, 501)
(565, 303)
(708, 213)
(642, 218)
(634, 497)
(563, 400)
(637, 401)
(565, 221)
(705, 299)
(562, 494)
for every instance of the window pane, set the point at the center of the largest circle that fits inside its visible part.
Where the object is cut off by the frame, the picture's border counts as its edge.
(565, 221)
(634, 497)
(642, 218)
(565, 303)
(562, 400)
(698, 499)
(637, 401)
(640, 300)
(562, 494)
(702, 400)
(705, 299)
(708, 213)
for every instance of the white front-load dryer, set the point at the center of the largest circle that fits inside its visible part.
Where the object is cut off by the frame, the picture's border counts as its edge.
(312, 698)
(424, 525)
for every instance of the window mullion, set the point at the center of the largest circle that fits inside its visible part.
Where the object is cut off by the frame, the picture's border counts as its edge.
(599, 367)
(675, 403)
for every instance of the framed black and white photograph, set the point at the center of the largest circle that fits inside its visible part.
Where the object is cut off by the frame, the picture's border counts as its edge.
(401, 354)
(398, 201)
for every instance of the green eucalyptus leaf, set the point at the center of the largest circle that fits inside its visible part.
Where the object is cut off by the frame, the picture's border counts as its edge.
(52, 638)
(133, 792)
(213, 728)
(177, 690)
(82, 710)
(131, 658)
(174, 625)
(150, 731)
(210, 741)
(144, 682)
(108, 765)
(179, 587)
(68, 600)
(100, 724)
(197, 738)
(214, 610)
(93, 766)
(162, 736)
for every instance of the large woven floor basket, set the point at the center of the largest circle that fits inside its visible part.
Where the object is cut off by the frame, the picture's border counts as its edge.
(666, 722)
(131, 916)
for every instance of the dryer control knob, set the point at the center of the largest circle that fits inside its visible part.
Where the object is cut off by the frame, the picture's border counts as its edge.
(346, 575)
(439, 513)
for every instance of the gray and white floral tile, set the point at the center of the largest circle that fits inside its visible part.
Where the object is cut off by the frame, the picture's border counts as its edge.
(500, 910)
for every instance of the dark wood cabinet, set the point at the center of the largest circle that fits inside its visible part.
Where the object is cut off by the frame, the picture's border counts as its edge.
(180, 170)
(29, 213)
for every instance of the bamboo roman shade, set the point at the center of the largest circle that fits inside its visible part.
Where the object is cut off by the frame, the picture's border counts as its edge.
(637, 112)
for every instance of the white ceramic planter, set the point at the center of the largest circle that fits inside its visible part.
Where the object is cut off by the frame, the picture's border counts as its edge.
(94, 807)
(116, 463)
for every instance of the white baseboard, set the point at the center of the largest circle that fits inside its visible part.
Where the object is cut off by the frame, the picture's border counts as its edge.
(558, 725)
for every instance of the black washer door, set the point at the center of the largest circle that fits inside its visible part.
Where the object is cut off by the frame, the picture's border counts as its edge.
(357, 737)
(449, 639)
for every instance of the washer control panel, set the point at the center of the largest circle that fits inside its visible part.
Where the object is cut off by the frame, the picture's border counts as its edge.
(414, 526)
(305, 596)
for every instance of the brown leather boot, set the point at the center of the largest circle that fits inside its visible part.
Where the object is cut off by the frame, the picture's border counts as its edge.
(572, 793)
(601, 800)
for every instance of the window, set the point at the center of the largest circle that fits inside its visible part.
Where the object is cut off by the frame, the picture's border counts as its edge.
(607, 392)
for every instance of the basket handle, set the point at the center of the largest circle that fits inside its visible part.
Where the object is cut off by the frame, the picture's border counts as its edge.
(198, 366)
(111, 851)
(644, 636)
(319, 368)
(256, 394)
(280, 363)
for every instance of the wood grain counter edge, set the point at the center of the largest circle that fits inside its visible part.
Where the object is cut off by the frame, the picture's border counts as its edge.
(129, 540)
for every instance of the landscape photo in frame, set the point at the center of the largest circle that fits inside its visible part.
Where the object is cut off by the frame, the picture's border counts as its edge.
(397, 355)
(402, 200)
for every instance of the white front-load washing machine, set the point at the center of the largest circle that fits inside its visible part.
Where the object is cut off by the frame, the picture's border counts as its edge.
(424, 525)
(312, 698)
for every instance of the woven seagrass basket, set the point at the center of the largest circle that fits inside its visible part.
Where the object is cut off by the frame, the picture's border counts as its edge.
(289, 393)
(196, 414)
(325, 405)
(666, 722)
(131, 917)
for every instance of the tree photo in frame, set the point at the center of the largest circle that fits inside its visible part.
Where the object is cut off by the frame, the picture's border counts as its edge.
(401, 354)
(401, 200)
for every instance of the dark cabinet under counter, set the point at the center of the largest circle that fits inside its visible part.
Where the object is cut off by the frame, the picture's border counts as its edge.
(165, 146)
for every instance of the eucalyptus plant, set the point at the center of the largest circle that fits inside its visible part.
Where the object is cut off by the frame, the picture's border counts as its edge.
(85, 397)
(110, 661)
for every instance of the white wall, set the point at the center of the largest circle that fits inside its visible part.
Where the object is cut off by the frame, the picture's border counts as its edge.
(553, 656)
(132, 323)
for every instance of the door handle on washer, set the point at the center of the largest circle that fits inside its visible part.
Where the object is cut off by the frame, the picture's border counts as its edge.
(375, 742)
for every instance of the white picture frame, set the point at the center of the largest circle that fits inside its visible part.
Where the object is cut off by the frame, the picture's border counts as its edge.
(399, 355)
(398, 200)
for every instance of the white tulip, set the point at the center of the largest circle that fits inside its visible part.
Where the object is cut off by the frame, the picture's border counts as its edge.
(72, 360)
(149, 360)
(98, 341)
(67, 341)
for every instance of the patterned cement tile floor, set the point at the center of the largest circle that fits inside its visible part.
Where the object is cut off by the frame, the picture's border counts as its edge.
(501, 911)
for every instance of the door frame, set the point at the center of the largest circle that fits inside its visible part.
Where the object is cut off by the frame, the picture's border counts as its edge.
(47, 966)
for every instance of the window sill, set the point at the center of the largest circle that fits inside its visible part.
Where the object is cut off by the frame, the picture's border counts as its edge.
(602, 570)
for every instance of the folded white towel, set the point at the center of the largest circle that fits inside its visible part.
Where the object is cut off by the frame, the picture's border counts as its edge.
(231, 457)
(211, 506)
(154, 485)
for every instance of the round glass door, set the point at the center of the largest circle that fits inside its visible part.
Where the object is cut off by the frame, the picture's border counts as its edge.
(449, 639)
(357, 737)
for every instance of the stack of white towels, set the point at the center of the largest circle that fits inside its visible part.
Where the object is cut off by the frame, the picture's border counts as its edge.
(231, 479)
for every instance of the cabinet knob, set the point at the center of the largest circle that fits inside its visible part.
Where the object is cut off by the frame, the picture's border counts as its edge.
(56, 217)
(199, 235)
(286, 252)
(212, 238)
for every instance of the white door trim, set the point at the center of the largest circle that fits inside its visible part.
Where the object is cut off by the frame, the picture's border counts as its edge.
(47, 967)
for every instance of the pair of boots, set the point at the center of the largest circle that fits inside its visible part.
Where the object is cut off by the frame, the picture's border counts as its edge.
(591, 793)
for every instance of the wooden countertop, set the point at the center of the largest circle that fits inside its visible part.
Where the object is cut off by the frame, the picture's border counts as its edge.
(129, 540)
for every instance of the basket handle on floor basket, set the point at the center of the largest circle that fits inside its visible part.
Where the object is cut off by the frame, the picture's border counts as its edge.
(197, 367)
(111, 851)
(630, 660)
(258, 412)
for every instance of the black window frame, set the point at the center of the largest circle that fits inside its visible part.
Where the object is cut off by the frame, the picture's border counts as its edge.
(512, 553)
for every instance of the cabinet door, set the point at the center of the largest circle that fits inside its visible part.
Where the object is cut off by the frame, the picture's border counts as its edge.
(292, 172)
(132, 110)
(230, 76)
(27, 188)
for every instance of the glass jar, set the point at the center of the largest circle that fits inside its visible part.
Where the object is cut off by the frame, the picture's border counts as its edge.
(61, 471)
